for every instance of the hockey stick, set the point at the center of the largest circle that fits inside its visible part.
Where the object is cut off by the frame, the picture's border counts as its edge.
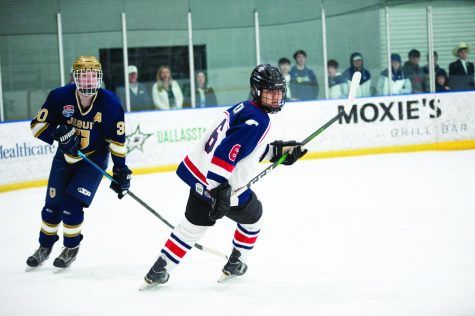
(151, 210)
(355, 82)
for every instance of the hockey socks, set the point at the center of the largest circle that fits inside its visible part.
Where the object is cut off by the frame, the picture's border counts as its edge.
(245, 237)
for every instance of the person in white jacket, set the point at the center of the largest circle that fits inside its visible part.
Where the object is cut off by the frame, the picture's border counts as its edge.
(399, 83)
(166, 92)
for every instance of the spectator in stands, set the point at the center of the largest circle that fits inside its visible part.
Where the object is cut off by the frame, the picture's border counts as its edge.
(338, 86)
(441, 82)
(461, 71)
(166, 92)
(205, 95)
(399, 83)
(303, 81)
(284, 67)
(357, 64)
(437, 71)
(412, 70)
(139, 97)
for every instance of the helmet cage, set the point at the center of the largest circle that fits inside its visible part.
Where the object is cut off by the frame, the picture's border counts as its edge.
(88, 81)
(267, 77)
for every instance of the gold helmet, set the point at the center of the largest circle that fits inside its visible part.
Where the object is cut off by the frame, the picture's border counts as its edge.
(87, 62)
(87, 72)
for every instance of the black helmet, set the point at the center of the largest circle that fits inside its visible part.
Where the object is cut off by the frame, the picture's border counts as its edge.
(268, 77)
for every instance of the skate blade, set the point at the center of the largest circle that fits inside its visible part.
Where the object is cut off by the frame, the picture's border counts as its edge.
(226, 277)
(29, 269)
(59, 270)
(148, 286)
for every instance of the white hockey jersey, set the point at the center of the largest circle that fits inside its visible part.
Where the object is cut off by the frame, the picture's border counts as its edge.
(230, 150)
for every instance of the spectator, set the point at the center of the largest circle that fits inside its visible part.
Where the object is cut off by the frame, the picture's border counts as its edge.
(399, 83)
(166, 92)
(303, 81)
(139, 97)
(412, 70)
(338, 86)
(357, 64)
(284, 67)
(204, 94)
(461, 71)
(437, 70)
(441, 82)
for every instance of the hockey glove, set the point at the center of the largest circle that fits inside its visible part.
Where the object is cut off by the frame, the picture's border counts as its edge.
(122, 176)
(221, 201)
(292, 148)
(68, 140)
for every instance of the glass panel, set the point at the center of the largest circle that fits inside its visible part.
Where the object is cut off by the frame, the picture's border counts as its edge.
(291, 36)
(29, 56)
(450, 39)
(157, 37)
(229, 41)
(408, 29)
(353, 44)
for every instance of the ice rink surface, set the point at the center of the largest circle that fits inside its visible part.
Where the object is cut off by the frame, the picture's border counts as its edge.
(374, 235)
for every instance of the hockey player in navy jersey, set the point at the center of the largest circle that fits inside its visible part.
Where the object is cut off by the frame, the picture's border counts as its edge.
(79, 116)
(218, 169)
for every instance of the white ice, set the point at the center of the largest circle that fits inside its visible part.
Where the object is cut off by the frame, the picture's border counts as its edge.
(375, 235)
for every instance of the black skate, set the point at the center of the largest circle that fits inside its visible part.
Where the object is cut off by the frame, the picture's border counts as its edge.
(234, 267)
(157, 275)
(40, 255)
(67, 256)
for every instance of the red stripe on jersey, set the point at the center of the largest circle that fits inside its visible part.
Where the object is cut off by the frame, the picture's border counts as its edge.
(195, 171)
(223, 164)
(244, 239)
(177, 251)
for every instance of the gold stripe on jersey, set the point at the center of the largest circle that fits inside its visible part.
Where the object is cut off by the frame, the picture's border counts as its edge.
(80, 106)
(117, 149)
(38, 128)
(73, 159)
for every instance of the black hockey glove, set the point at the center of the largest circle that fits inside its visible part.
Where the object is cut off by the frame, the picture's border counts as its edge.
(122, 176)
(292, 148)
(221, 201)
(68, 140)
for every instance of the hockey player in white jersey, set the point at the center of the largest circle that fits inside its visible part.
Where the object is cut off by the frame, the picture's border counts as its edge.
(222, 163)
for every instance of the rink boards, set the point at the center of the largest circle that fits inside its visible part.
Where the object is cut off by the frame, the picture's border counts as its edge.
(158, 140)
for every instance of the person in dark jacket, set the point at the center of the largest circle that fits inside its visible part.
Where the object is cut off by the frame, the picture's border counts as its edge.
(303, 81)
(205, 95)
(357, 64)
(461, 71)
(413, 71)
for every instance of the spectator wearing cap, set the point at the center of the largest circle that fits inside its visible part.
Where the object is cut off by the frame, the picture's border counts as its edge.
(357, 64)
(399, 83)
(437, 71)
(412, 70)
(461, 71)
(303, 81)
(284, 67)
(139, 97)
(338, 86)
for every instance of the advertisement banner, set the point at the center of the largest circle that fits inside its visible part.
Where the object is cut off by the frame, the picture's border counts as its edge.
(162, 138)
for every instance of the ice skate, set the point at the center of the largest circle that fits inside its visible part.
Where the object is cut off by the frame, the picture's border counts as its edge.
(40, 255)
(233, 268)
(157, 275)
(67, 256)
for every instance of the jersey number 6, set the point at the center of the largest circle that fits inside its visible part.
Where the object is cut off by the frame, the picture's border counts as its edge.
(214, 137)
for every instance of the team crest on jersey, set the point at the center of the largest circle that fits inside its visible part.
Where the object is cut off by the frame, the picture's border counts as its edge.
(252, 122)
(52, 192)
(68, 110)
(234, 152)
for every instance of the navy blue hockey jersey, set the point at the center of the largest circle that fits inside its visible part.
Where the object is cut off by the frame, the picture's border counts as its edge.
(101, 125)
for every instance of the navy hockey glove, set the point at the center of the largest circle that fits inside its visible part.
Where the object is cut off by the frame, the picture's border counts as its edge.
(221, 201)
(122, 176)
(292, 148)
(68, 140)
